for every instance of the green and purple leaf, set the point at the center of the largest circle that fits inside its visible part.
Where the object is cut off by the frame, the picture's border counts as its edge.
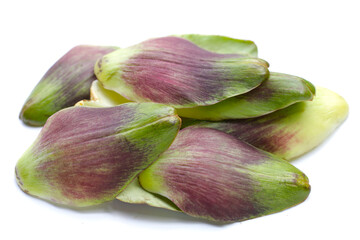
(86, 156)
(176, 72)
(65, 83)
(210, 174)
(277, 92)
(223, 45)
(290, 132)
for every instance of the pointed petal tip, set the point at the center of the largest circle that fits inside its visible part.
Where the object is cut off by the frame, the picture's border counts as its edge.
(22, 175)
(18, 179)
(31, 117)
(334, 103)
(304, 188)
(303, 182)
(310, 86)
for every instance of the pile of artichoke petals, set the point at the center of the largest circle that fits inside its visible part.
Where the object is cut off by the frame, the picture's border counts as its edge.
(191, 123)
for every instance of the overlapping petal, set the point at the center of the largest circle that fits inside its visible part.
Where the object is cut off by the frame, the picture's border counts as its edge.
(222, 44)
(277, 92)
(289, 132)
(212, 175)
(85, 156)
(65, 83)
(176, 72)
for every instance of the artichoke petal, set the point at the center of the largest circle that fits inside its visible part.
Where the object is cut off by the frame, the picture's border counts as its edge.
(222, 44)
(176, 72)
(65, 83)
(85, 156)
(210, 174)
(290, 132)
(277, 92)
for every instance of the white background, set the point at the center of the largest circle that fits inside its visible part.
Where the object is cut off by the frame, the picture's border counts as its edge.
(317, 40)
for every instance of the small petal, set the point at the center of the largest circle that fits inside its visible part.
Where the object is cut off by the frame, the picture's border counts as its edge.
(134, 193)
(86, 156)
(210, 174)
(106, 97)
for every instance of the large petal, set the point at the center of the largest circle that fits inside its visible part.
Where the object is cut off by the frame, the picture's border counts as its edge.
(178, 73)
(277, 92)
(85, 156)
(65, 83)
(212, 175)
(289, 132)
